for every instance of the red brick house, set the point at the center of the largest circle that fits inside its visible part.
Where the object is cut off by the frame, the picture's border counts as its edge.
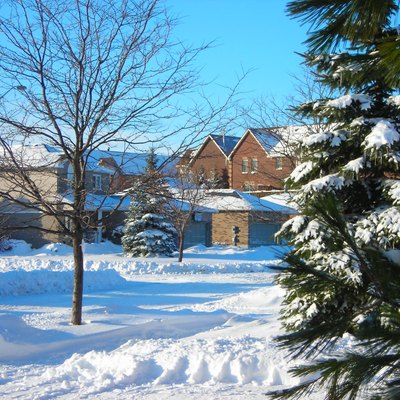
(259, 161)
(256, 161)
(212, 157)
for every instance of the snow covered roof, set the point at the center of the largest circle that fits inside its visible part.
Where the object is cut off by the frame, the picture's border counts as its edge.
(271, 140)
(102, 202)
(225, 143)
(186, 206)
(38, 155)
(106, 161)
(268, 139)
(128, 163)
(235, 200)
(275, 141)
(284, 200)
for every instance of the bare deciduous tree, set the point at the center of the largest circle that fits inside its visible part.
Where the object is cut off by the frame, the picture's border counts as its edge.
(79, 76)
(184, 200)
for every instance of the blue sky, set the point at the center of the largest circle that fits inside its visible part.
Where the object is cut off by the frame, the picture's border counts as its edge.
(252, 35)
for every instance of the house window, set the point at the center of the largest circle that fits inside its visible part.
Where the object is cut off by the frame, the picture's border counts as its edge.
(245, 166)
(254, 165)
(96, 181)
(278, 163)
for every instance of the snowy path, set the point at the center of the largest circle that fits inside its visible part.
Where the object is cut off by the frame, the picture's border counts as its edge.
(152, 336)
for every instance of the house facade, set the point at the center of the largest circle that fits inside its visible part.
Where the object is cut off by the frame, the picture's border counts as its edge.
(244, 161)
(51, 178)
(211, 158)
(259, 160)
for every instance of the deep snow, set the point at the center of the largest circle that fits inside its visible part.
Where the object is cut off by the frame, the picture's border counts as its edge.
(154, 328)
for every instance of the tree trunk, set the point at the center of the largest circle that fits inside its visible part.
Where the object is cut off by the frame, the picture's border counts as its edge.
(77, 295)
(77, 237)
(181, 241)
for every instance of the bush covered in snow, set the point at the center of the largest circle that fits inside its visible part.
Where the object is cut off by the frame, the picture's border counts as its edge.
(147, 231)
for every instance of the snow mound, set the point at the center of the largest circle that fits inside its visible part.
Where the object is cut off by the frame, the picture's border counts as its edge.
(245, 360)
(30, 275)
(141, 267)
(266, 300)
(127, 267)
(22, 282)
(18, 247)
(22, 248)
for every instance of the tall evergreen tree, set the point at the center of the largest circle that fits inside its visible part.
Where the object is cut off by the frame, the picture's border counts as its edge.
(147, 229)
(343, 276)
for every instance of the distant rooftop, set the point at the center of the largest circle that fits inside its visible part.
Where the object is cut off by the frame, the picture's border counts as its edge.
(43, 155)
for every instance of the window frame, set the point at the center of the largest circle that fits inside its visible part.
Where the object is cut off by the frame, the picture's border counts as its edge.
(97, 182)
(254, 165)
(245, 165)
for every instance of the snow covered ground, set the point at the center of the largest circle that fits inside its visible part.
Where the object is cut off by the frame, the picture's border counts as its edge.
(153, 328)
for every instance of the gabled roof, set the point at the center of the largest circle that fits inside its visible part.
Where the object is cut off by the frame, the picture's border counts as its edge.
(266, 137)
(128, 163)
(225, 143)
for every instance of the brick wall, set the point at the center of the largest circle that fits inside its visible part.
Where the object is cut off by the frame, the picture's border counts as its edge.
(266, 176)
(211, 159)
(222, 224)
(269, 174)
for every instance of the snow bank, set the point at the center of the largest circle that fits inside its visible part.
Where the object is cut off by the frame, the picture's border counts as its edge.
(240, 361)
(34, 276)
(128, 267)
(18, 247)
(42, 273)
(34, 282)
(265, 300)
(50, 268)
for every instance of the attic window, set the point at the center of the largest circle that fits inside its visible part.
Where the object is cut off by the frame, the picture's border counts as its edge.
(96, 181)
(278, 163)
(245, 166)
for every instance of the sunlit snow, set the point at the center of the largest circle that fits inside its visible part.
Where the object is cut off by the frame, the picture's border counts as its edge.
(348, 99)
(153, 328)
(383, 133)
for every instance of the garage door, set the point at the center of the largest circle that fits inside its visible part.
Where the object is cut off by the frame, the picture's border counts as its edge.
(196, 233)
(262, 234)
